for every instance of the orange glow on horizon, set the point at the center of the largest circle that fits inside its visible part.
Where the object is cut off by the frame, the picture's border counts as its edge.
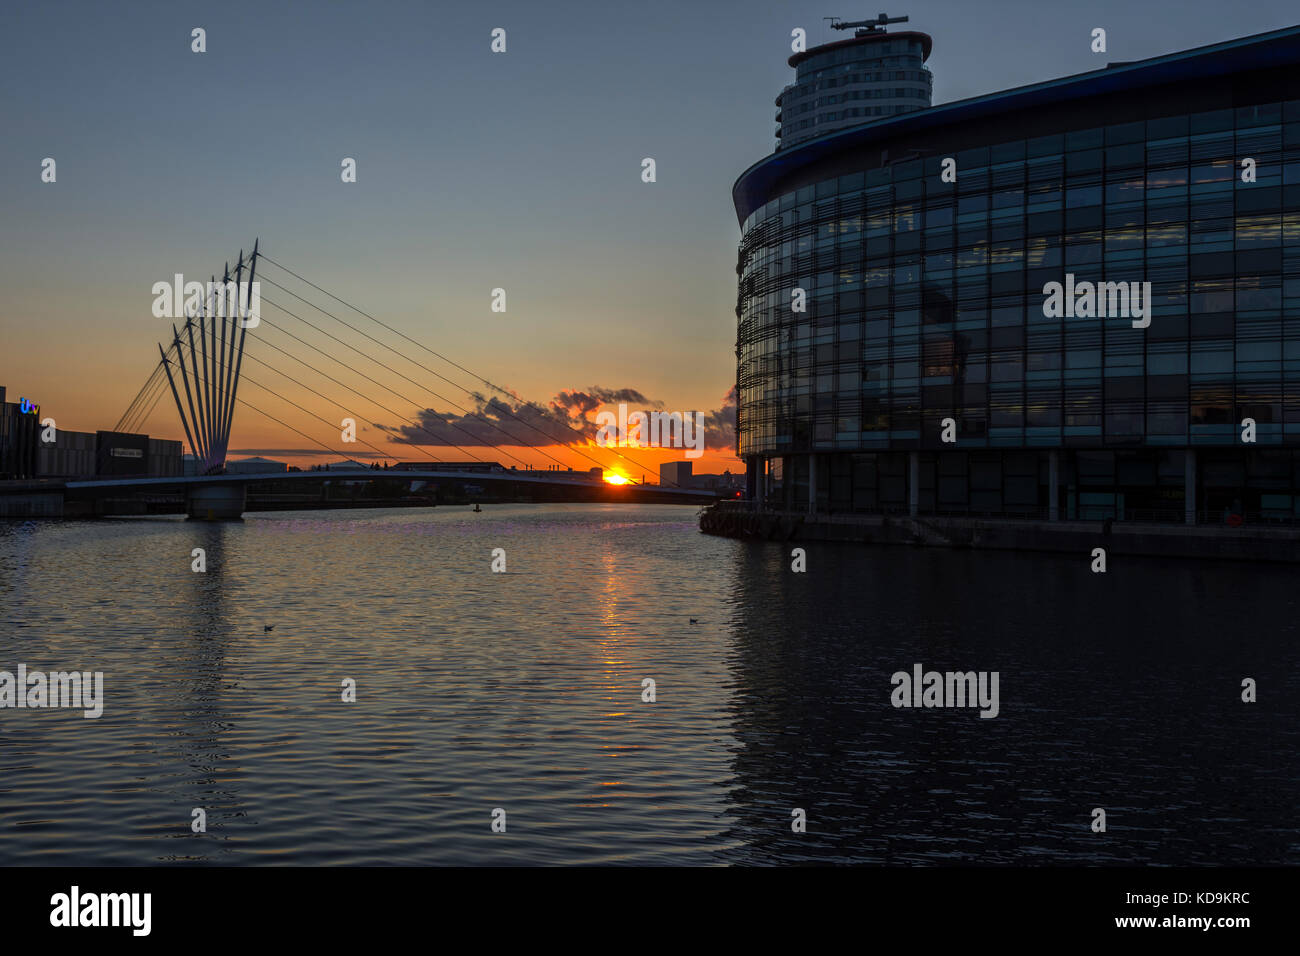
(617, 479)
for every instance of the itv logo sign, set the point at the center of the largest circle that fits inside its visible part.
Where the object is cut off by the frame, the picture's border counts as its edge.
(27, 407)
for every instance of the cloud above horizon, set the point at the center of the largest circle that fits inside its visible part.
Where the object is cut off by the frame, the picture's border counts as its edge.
(569, 420)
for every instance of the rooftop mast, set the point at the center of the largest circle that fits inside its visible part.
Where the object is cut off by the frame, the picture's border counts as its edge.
(869, 26)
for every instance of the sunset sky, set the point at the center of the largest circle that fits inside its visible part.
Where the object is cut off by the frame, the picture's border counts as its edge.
(475, 171)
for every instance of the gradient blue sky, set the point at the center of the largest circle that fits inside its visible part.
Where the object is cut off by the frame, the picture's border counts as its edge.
(475, 170)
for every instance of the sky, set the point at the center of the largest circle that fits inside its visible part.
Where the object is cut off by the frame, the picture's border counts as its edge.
(475, 171)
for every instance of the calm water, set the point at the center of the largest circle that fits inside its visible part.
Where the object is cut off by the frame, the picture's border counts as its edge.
(522, 691)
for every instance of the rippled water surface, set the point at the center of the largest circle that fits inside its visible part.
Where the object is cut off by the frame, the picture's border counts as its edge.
(522, 690)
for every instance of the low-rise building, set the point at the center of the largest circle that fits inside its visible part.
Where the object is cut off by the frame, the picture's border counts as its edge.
(70, 455)
(29, 449)
(256, 466)
(164, 457)
(723, 482)
(478, 466)
(20, 430)
(121, 454)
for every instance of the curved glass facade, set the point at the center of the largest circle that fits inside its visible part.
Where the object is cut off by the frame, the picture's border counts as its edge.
(923, 302)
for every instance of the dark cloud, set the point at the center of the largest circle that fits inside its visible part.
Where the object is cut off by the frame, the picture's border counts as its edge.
(572, 403)
(569, 420)
(492, 423)
(720, 425)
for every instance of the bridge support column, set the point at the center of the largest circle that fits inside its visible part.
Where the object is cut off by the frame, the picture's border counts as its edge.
(215, 502)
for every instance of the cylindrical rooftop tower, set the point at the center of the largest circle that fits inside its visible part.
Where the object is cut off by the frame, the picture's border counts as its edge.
(849, 82)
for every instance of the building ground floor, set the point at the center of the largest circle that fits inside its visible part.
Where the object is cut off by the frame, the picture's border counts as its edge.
(1193, 486)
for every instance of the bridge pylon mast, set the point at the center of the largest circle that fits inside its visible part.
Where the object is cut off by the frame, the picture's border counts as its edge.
(208, 410)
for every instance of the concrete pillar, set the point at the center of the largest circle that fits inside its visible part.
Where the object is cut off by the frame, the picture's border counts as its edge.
(1189, 486)
(913, 483)
(812, 484)
(1053, 484)
(215, 502)
(760, 483)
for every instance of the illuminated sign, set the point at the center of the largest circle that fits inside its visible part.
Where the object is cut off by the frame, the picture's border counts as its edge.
(25, 407)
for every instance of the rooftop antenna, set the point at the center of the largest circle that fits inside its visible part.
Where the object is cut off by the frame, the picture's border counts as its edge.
(868, 26)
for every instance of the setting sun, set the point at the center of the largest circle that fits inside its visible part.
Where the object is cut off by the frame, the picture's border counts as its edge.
(617, 480)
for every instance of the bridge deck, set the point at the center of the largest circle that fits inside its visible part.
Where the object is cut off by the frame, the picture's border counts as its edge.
(472, 477)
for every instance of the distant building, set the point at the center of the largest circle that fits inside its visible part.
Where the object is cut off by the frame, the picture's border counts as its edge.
(121, 454)
(70, 455)
(349, 465)
(675, 474)
(591, 474)
(165, 458)
(723, 482)
(20, 431)
(256, 466)
(478, 466)
(74, 454)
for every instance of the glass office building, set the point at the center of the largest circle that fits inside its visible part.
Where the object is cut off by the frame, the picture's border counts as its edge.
(893, 350)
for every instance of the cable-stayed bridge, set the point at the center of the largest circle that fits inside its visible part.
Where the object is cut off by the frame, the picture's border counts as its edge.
(222, 345)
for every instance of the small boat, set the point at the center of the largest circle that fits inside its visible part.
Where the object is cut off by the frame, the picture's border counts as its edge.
(477, 509)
